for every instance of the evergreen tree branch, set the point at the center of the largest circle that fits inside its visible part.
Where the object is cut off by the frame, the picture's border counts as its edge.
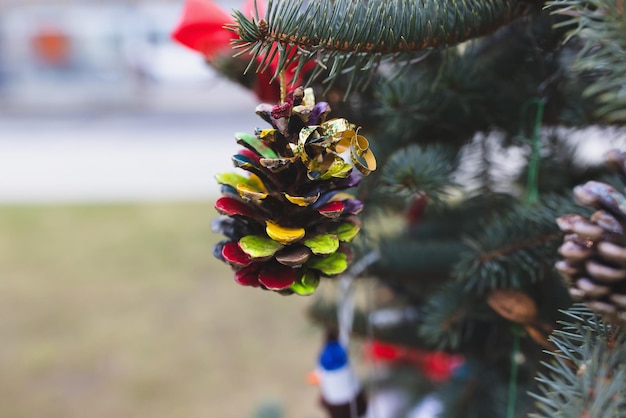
(447, 318)
(518, 246)
(586, 377)
(453, 220)
(345, 34)
(415, 170)
(515, 249)
(443, 100)
(478, 395)
(601, 24)
(402, 255)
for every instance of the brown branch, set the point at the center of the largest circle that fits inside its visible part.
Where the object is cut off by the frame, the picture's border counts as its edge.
(500, 252)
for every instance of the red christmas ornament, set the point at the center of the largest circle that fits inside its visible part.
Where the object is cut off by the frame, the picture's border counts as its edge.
(202, 28)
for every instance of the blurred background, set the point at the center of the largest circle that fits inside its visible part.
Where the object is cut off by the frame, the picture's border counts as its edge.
(111, 303)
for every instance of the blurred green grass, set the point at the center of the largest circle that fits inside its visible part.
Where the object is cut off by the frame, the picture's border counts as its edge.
(122, 311)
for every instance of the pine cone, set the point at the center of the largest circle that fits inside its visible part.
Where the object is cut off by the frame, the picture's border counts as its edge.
(594, 249)
(288, 221)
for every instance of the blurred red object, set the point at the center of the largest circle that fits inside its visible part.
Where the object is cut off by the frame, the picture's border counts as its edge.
(436, 365)
(416, 209)
(52, 47)
(202, 29)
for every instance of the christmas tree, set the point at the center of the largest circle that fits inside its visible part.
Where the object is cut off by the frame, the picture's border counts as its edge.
(497, 249)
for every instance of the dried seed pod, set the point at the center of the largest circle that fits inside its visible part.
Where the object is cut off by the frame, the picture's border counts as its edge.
(568, 271)
(591, 288)
(573, 251)
(603, 196)
(580, 226)
(603, 273)
(618, 299)
(577, 294)
(514, 305)
(612, 252)
(539, 333)
(602, 307)
(607, 222)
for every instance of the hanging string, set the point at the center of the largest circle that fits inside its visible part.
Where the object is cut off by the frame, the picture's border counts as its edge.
(372, 369)
(345, 308)
(282, 78)
(514, 369)
(532, 183)
(346, 304)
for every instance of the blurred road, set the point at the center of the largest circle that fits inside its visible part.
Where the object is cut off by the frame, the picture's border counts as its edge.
(167, 146)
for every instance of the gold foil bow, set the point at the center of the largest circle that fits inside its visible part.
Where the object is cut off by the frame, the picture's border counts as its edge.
(319, 147)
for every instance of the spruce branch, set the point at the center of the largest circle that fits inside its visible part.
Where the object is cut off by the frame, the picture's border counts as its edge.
(480, 394)
(516, 65)
(586, 377)
(349, 34)
(515, 249)
(403, 255)
(455, 219)
(601, 25)
(452, 317)
(415, 170)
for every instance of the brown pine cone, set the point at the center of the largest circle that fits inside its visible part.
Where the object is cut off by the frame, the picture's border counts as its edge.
(594, 249)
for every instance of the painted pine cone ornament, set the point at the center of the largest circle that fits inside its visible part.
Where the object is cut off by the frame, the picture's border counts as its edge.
(594, 249)
(288, 221)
